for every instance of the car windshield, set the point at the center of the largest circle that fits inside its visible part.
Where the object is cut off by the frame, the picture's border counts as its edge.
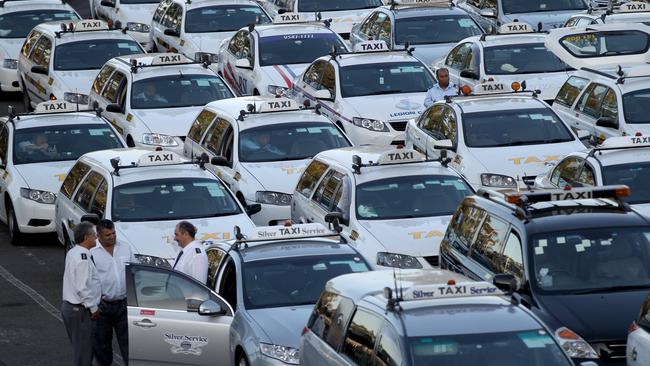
(175, 91)
(384, 78)
(514, 127)
(528, 58)
(336, 5)
(293, 281)
(410, 197)
(92, 54)
(529, 347)
(634, 175)
(172, 199)
(18, 24)
(61, 142)
(535, 6)
(599, 44)
(223, 18)
(289, 141)
(635, 106)
(435, 29)
(299, 48)
(592, 260)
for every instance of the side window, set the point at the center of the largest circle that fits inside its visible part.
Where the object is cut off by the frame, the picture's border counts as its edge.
(215, 257)
(87, 190)
(102, 78)
(571, 22)
(388, 350)
(200, 124)
(112, 86)
(489, 4)
(98, 205)
(325, 192)
(584, 21)
(343, 198)
(4, 144)
(320, 76)
(310, 177)
(383, 29)
(228, 283)
(330, 317)
(457, 58)
(178, 19)
(228, 142)
(586, 176)
(609, 106)
(212, 140)
(42, 52)
(360, 339)
(570, 90)
(475, 3)
(73, 178)
(329, 79)
(365, 27)
(431, 120)
(512, 256)
(160, 10)
(171, 17)
(487, 246)
(235, 44)
(565, 172)
(448, 126)
(592, 104)
(464, 225)
(30, 41)
(240, 45)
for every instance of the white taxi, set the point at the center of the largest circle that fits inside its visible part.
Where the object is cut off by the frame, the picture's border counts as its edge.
(495, 148)
(17, 18)
(631, 12)
(36, 151)
(134, 15)
(618, 160)
(262, 145)
(152, 99)
(264, 60)
(146, 193)
(59, 61)
(516, 53)
(392, 204)
(196, 29)
(370, 94)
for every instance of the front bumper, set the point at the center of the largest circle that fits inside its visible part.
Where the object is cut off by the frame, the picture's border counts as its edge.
(271, 214)
(33, 217)
(177, 149)
(9, 80)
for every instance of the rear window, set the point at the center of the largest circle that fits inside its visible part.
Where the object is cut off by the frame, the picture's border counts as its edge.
(570, 90)
(602, 44)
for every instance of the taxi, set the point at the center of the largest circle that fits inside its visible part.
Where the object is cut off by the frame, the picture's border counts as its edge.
(59, 61)
(424, 317)
(631, 12)
(272, 276)
(36, 151)
(618, 160)
(393, 205)
(17, 18)
(504, 148)
(261, 146)
(264, 59)
(196, 29)
(146, 193)
(152, 99)
(573, 254)
(134, 15)
(516, 53)
(370, 94)
(433, 27)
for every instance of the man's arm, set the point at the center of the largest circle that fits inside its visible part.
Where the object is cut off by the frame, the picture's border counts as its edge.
(83, 282)
(428, 100)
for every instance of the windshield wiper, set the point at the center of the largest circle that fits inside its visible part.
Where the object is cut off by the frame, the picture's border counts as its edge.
(533, 142)
(612, 289)
(386, 92)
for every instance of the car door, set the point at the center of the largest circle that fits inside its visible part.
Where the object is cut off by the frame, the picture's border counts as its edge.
(300, 200)
(214, 144)
(64, 206)
(457, 61)
(239, 48)
(566, 97)
(157, 27)
(485, 249)
(166, 325)
(5, 177)
(203, 121)
(37, 83)
(83, 197)
(588, 107)
(114, 92)
(565, 172)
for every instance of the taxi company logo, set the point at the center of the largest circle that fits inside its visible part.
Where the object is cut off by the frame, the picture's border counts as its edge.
(491, 87)
(55, 106)
(160, 157)
(407, 105)
(289, 18)
(276, 105)
(170, 58)
(640, 140)
(184, 344)
(516, 27)
(372, 46)
(453, 291)
(417, 235)
(570, 196)
(534, 159)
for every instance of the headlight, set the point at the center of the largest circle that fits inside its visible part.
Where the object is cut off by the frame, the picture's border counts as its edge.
(198, 57)
(276, 89)
(137, 27)
(38, 196)
(10, 63)
(152, 260)
(498, 180)
(75, 98)
(158, 139)
(370, 124)
(397, 260)
(573, 345)
(282, 353)
(273, 198)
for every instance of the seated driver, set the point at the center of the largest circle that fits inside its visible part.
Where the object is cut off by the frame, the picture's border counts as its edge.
(38, 144)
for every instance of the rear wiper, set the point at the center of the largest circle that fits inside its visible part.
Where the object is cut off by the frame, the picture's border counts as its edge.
(612, 289)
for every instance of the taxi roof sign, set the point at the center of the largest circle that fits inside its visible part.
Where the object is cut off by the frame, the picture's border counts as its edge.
(490, 87)
(90, 25)
(288, 18)
(400, 156)
(278, 105)
(266, 233)
(516, 28)
(155, 158)
(567, 194)
(55, 107)
(169, 59)
(452, 290)
(633, 7)
(625, 141)
(371, 46)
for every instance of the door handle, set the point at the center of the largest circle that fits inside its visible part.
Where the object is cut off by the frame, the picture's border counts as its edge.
(145, 323)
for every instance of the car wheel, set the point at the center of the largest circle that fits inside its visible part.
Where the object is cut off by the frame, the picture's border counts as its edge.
(27, 103)
(67, 244)
(242, 361)
(12, 224)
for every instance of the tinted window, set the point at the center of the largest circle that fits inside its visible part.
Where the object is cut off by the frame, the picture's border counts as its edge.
(139, 1)
(592, 103)
(598, 44)
(324, 195)
(310, 177)
(98, 205)
(112, 86)
(464, 225)
(4, 144)
(487, 246)
(299, 48)
(87, 190)
(360, 339)
(384, 78)
(175, 91)
(42, 52)
(634, 175)
(102, 78)
(388, 349)
(223, 18)
(91, 55)
(330, 317)
(529, 58)
(214, 137)
(435, 29)
(334, 5)
(512, 260)
(519, 6)
(200, 124)
(570, 90)
(635, 106)
(30, 41)
(19, 23)
(73, 178)
(168, 290)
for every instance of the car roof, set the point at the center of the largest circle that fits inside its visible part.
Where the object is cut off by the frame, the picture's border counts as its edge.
(55, 119)
(24, 5)
(124, 63)
(408, 11)
(349, 59)
(195, 4)
(507, 39)
(622, 156)
(53, 27)
(637, 76)
(294, 248)
(267, 30)
(483, 103)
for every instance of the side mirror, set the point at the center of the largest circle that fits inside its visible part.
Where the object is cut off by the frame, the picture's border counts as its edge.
(443, 144)
(583, 135)
(282, 11)
(253, 209)
(91, 218)
(243, 63)
(172, 32)
(219, 161)
(107, 3)
(607, 122)
(505, 282)
(114, 108)
(488, 13)
(335, 219)
(469, 74)
(211, 308)
(323, 94)
(38, 69)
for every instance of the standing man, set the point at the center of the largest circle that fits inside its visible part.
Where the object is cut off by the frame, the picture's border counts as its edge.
(192, 259)
(81, 292)
(441, 88)
(111, 257)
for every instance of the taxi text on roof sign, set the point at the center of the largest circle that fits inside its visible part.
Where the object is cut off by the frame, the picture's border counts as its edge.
(569, 194)
(516, 27)
(169, 59)
(55, 107)
(289, 18)
(396, 156)
(90, 25)
(371, 46)
(633, 7)
(159, 158)
(626, 141)
(463, 289)
(289, 232)
(278, 104)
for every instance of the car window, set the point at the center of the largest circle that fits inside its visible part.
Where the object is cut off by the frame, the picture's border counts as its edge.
(42, 52)
(30, 41)
(228, 283)
(315, 75)
(457, 58)
(92, 54)
(388, 350)
(98, 205)
(526, 58)
(592, 103)
(200, 124)
(87, 190)
(212, 139)
(512, 259)
(73, 178)
(635, 175)
(324, 195)
(297, 49)
(112, 86)
(489, 4)
(570, 90)
(428, 29)
(585, 175)
(178, 90)
(215, 258)
(311, 6)
(606, 43)
(384, 78)
(330, 318)
(172, 17)
(240, 46)
(228, 142)
(487, 246)
(367, 25)
(102, 78)
(160, 10)
(310, 177)
(4, 144)
(223, 18)
(464, 226)
(609, 106)
(360, 339)
(440, 123)
(565, 172)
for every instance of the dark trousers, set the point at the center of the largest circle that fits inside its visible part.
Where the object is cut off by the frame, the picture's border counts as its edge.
(76, 319)
(112, 316)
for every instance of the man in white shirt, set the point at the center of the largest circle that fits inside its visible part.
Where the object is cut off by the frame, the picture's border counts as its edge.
(111, 257)
(81, 294)
(440, 89)
(192, 259)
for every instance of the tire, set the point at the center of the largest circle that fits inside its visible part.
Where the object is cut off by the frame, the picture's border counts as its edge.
(67, 244)
(241, 360)
(26, 100)
(15, 236)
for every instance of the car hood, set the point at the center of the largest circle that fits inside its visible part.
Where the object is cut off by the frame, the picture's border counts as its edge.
(45, 176)
(282, 325)
(278, 176)
(591, 316)
(207, 42)
(283, 75)
(550, 19)
(342, 21)
(76, 81)
(419, 237)
(11, 47)
(390, 107)
(430, 53)
(138, 13)
(168, 121)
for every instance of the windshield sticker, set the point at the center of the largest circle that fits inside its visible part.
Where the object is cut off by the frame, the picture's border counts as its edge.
(97, 131)
(560, 240)
(586, 243)
(606, 242)
(543, 243)
(203, 82)
(406, 69)
(539, 250)
(365, 211)
(466, 23)
(186, 344)
(429, 347)
(288, 37)
(538, 339)
(381, 80)
(580, 248)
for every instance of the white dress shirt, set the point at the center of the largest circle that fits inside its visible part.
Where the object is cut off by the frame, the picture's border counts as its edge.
(436, 93)
(111, 269)
(81, 285)
(193, 261)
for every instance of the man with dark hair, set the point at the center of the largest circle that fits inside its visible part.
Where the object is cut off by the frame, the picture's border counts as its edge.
(81, 294)
(440, 89)
(111, 257)
(192, 259)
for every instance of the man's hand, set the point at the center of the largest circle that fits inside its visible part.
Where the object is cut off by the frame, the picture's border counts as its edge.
(95, 315)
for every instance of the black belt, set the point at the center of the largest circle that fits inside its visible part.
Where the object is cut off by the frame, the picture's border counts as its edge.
(75, 305)
(112, 302)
